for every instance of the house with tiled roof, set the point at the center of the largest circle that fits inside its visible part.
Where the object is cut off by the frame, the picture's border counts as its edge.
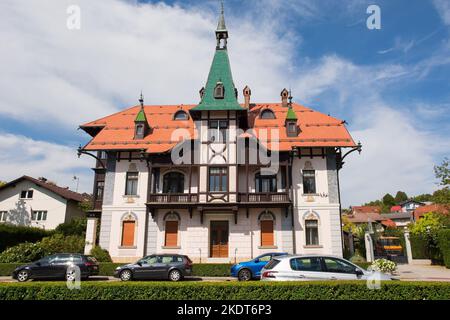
(27, 201)
(219, 181)
(434, 207)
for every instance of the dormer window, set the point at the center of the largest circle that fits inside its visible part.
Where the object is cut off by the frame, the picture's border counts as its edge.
(219, 91)
(291, 128)
(267, 114)
(181, 115)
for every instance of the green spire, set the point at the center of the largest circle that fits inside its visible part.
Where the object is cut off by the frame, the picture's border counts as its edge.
(291, 115)
(220, 76)
(141, 114)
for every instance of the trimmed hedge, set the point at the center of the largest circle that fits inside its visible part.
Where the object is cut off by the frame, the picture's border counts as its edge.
(444, 245)
(419, 247)
(11, 235)
(349, 290)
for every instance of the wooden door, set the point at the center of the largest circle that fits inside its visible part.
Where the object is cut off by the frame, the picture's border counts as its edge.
(267, 233)
(219, 239)
(128, 233)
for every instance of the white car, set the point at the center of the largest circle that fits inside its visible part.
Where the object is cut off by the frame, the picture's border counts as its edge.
(315, 267)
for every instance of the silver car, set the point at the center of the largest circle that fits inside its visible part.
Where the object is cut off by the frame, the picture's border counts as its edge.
(315, 267)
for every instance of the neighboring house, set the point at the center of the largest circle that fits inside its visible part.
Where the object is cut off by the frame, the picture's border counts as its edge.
(438, 208)
(410, 205)
(396, 219)
(34, 202)
(218, 204)
(396, 209)
(400, 219)
(365, 209)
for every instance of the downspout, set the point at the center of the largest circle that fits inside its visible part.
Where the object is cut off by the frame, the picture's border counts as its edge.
(291, 193)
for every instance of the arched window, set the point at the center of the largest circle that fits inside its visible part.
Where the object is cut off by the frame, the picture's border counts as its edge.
(171, 222)
(267, 220)
(265, 183)
(173, 182)
(219, 91)
(311, 229)
(128, 230)
(267, 114)
(181, 115)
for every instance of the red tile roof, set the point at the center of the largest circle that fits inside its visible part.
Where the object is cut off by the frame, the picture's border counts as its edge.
(396, 208)
(438, 208)
(366, 209)
(116, 132)
(364, 217)
(63, 192)
(389, 223)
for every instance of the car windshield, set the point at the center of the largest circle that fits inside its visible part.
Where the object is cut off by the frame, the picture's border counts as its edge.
(264, 258)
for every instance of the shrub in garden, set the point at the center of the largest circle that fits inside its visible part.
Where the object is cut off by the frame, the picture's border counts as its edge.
(74, 227)
(100, 254)
(24, 252)
(383, 265)
(11, 235)
(444, 245)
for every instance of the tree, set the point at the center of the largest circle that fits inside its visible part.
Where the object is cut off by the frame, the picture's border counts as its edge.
(400, 197)
(441, 196)
(442, 173)
(423, 197)
(2, 183)
(388, 200)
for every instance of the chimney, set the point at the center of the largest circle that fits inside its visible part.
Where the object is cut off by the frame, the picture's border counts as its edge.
(284, 98)
(247, 95)
(42, 179)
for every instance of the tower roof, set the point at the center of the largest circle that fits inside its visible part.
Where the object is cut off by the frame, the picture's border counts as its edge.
(221, 26)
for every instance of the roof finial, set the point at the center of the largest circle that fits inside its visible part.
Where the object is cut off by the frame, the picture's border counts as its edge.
(141, 100)
(290, 98)
(221, 26)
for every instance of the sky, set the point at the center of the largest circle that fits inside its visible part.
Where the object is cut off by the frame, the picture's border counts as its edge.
(391, 85)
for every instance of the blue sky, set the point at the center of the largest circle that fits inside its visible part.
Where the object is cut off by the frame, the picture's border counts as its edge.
(391, 85)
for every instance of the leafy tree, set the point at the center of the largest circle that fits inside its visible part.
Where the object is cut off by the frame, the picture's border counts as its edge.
(86, 205)
(423, 197)
(2, 183)
(388, 200)
(74, 227)
(442, 173)
(429, 224)
(441, 196)
(400, 197)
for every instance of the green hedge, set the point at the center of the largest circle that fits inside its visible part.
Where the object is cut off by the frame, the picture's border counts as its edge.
(419, 247)
(11, 235)
(444, 245)
(350, 290)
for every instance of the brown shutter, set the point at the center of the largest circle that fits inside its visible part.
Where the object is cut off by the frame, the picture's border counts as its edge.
(171, 233)
(267, 233)
(128, 233)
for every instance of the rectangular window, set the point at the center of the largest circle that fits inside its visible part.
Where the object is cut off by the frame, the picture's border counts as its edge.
(39, 215)
(131, 183)
(267, 238)
(3, 216)
(171, 234)
(312, 232)
(100, 188)
(26, 194)
(309, 181)
(218, 130)
(128, 233)
(218, 179)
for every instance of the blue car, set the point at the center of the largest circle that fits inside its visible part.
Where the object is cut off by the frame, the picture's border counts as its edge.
(248, 270)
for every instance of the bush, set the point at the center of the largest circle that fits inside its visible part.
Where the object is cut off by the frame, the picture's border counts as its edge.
(28, 252)
(75, 227)
(24, 252)
(383, 265)
(11, 235)
(61, 244)
(349, 290)
(444, 245)
(100, 254)
(211, 270)
(419, 247)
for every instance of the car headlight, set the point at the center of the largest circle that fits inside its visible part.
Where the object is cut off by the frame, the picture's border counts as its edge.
(118, 268)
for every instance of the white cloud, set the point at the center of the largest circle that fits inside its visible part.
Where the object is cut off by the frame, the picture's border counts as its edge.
(20, 155)
(443, 7)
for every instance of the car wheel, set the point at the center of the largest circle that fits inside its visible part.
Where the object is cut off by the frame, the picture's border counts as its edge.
(125, 275)
(244, 275)
(71, 275)
(23, 276)
(175, 275)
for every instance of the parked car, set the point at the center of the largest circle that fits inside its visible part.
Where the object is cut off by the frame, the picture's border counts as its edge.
(314, 267)
(58, 266)
(172, 267)
(249, 270)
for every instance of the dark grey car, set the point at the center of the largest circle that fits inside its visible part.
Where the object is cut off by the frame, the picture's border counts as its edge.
(156, 267)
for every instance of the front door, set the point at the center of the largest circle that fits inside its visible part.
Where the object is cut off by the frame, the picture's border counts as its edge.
(219, 239)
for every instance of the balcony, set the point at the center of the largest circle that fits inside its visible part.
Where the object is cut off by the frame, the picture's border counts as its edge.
(183, 200)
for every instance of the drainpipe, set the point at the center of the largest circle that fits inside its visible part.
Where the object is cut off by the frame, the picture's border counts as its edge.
(291, 193)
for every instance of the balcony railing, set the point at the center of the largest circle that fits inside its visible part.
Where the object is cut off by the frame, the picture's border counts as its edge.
(173, 198)
(272, 197)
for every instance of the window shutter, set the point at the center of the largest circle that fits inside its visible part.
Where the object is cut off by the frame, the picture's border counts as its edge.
(171, 233)
(128, 233)
(267, 233)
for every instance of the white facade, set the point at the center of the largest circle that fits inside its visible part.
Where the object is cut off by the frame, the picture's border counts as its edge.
(50, 209)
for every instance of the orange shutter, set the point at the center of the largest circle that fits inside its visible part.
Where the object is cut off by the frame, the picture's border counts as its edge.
(267, 233)
(171, 233)
(128, 234)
